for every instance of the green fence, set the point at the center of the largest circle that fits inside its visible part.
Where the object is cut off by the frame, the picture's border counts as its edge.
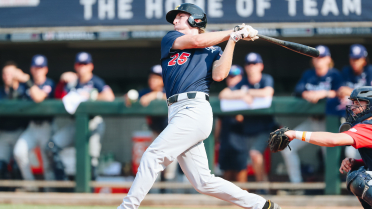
(281, 106)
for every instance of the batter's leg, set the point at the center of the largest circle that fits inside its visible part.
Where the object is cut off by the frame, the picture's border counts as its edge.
(194, 164)
(187, 127)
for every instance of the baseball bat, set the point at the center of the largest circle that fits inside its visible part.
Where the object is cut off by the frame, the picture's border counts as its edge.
(299, 48)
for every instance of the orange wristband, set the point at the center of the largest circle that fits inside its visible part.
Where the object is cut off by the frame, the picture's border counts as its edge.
(304, 135)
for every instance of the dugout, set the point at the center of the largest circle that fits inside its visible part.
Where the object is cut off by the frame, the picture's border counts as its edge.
(125, 64)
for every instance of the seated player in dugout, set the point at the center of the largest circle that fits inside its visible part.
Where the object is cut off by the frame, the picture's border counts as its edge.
(251, 137)
(232, 159)
(39, 129)
(357, 74)
(11, 127)
(320, 82)
(356, 132)
(155, 91)
(91, 87)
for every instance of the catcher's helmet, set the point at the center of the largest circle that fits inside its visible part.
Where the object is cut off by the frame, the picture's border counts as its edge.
(194, 11)
(363, 93)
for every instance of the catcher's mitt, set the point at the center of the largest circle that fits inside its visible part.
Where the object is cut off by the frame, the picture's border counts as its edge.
(278, 140)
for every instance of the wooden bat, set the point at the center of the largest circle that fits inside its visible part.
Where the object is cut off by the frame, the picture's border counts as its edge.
(299, 48)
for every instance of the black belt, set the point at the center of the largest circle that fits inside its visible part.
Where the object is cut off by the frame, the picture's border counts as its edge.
(174, 98)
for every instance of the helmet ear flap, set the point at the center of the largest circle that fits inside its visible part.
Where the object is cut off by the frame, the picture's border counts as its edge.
(191, 21)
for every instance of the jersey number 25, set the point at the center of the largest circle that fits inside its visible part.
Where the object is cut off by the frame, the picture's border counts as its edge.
(180, 59)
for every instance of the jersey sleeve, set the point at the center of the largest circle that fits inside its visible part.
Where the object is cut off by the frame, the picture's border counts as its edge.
(100, 84)
(268, 81)
(167, 42)
(219, 54)
(337, 80)
(300, 86)
(361, 134)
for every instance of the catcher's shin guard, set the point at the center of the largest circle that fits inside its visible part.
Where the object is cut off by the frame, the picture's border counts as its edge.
(360, 184)
(271, 205)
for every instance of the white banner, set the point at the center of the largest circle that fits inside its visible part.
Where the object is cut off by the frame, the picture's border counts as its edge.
(19, 3)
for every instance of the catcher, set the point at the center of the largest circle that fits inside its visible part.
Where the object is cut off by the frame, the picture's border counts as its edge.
(357, 132)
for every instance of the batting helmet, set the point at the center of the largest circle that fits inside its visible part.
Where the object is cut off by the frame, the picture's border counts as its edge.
(194, 11)
(363, 93)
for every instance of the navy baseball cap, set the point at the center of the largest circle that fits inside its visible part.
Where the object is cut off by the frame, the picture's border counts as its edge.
(358, 51)
(235, 70)
(84, 58)
(157, 70)
(253, 58)
(323, 51)
(39, 61)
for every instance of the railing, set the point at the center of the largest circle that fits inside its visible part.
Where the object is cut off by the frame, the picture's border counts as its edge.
(280, 106)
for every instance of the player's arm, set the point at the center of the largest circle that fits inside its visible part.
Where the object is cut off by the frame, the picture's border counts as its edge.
(106, 95)
(350, 163)
(324, 139)
(37, 94)
(267, 91)
(326, 94)
(240, 94)
(227, 93)
(344, 91)
(146, 99)
(222, 66)
(201, 40)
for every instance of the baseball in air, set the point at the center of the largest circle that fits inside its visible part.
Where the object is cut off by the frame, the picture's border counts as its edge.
(132, 95)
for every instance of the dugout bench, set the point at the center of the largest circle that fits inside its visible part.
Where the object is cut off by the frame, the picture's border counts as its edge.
(280, 106)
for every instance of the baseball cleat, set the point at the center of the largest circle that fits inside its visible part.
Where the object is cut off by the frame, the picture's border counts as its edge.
(271, 205)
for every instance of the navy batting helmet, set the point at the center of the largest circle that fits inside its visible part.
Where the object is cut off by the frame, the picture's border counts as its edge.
(363, 93)
(194, 11)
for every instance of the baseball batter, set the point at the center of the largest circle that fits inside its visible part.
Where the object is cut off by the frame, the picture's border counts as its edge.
(190, 63)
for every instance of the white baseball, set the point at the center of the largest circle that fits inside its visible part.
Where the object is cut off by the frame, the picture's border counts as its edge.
(133, 94)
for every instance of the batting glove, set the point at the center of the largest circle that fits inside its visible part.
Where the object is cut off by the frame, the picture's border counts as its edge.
(252, 33)
(240, 34)
(239, 27)
(246, 32)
